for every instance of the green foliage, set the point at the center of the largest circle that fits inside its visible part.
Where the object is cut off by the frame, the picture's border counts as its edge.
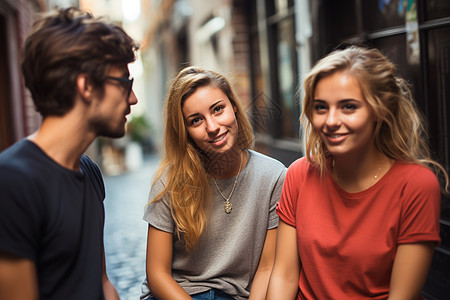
(138, 128)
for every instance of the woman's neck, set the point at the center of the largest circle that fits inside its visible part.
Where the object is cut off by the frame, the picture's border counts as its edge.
(226, 165)
(355, 174)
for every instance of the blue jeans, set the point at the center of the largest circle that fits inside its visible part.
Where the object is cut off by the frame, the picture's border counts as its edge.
(212, 294)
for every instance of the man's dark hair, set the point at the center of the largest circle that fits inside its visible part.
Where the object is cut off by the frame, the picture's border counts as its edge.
(65, 44)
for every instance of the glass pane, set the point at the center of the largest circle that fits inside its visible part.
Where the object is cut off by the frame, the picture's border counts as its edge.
(394, 47)
(260, 106)
(281, 5)
(383, 14)
(435, 9)
(340, 18)
(287, 78)
(438, 41)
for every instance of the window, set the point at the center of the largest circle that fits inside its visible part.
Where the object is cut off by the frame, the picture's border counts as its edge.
(286, 61)
(438, 73)
(384, 14)
(436, 9)
(284, 79)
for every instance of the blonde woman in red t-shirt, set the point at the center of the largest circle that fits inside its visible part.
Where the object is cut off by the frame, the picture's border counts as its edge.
(359, 215)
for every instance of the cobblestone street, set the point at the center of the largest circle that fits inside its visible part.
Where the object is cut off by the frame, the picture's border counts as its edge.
(125, 230)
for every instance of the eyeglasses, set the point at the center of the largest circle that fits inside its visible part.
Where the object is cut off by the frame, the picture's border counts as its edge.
(126, 82)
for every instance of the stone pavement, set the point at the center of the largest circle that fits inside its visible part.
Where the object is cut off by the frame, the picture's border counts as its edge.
(125, 230)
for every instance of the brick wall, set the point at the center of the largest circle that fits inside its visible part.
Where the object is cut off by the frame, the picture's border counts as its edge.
(241, 51)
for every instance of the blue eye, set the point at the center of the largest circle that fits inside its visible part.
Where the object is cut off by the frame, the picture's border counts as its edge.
(195, 121)
(318, 107)
(349, 107)
(218, 108)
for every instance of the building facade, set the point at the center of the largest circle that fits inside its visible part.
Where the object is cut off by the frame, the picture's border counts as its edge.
(18, 117)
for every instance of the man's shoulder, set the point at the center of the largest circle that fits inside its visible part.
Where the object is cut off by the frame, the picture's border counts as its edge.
(17, 158)
(13, 150)
(87, 165)
(20, 180)
(92, 171)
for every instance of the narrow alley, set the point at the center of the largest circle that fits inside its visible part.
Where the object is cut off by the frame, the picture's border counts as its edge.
(125, 230)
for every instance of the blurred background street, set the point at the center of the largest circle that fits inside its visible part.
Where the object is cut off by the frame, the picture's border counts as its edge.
(125, 230)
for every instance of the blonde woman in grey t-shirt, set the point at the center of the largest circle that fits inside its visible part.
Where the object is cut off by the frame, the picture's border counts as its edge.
(211, 215)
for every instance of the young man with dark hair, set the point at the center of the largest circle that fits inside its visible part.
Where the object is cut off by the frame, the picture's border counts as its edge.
(51, 207)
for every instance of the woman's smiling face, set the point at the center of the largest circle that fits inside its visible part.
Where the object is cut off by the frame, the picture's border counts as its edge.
(210, 120)
(342, 116)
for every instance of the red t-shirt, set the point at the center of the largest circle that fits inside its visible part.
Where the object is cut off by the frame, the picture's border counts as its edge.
(347, 241)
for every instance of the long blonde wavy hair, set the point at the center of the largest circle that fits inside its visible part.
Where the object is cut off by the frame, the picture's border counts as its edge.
(188, 184)
(399, 131)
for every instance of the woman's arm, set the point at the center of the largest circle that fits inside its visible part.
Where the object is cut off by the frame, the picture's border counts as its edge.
(109, 290)
(18, 279)
(411, 265)
(159, 266)
(283, 282)
(261, 278)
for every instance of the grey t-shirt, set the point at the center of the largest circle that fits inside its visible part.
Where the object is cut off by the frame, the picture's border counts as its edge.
(227, 255)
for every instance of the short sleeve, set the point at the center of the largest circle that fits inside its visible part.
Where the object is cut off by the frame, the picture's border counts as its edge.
(276, 195)
(419, 220)
(286, 208)
(19, 207)
(157, 213)
(94, 174)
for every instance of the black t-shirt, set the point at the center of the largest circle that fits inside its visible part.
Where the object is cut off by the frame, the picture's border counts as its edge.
(53, 216)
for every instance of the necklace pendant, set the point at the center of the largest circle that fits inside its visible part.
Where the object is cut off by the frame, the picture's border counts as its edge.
(228, 207)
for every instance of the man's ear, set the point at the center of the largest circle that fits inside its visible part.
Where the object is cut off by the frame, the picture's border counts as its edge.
(84, 87)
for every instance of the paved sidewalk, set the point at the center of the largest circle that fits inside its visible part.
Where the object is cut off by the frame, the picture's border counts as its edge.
(125, 231)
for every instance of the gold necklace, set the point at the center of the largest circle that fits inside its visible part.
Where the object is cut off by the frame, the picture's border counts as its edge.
(376, 175)
(228, 206)
(374, 179)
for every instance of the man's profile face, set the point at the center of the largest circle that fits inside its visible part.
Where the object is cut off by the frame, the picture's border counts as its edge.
(109, 117)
